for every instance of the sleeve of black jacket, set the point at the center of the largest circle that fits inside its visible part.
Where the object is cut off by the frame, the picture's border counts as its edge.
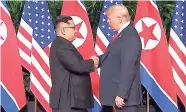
(100, 58)
(129, 54)
(72, 62)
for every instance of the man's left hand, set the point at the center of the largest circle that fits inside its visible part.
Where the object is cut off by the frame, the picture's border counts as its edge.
(119, 102)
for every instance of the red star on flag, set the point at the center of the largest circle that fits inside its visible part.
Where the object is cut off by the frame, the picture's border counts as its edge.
(147, 33)
(78, 34)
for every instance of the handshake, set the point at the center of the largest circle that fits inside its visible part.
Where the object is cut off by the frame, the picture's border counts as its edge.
(96, 61)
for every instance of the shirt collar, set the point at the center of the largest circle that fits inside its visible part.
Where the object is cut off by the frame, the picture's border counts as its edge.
(123, 27)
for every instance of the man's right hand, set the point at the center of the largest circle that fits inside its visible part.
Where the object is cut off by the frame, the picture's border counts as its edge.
(96, 61)
(119, 102)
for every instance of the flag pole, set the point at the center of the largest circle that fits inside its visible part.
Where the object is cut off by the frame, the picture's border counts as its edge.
(35, 104)
(148, 105)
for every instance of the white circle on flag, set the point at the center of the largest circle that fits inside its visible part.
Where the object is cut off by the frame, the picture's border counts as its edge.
(82, 30)
(3, 32)
(156, 31)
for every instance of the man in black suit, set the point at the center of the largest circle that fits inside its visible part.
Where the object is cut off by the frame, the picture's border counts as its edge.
(71, 84)
(120, 65)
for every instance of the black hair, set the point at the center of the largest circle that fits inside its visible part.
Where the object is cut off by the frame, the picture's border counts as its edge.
(64, 19)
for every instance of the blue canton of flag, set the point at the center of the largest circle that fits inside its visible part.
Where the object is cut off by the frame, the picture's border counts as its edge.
(39, 19)
(179, 21)
(103, 25)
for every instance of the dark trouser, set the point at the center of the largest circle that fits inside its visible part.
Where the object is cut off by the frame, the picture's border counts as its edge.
(127, 109)
(69, 110)
(124, 109)
(107, 108)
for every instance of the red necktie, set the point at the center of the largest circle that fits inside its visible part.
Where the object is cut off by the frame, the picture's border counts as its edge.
(115, 35)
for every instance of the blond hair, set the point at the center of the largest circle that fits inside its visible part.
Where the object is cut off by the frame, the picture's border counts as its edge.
(119, 10)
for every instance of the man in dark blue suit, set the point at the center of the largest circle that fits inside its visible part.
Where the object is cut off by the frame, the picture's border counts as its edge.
(120, 65)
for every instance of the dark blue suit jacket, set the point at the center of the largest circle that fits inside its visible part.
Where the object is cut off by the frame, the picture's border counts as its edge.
(120, 69)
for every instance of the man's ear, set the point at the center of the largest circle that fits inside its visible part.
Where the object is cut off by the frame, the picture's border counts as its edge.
(63, 31)
(120, 20)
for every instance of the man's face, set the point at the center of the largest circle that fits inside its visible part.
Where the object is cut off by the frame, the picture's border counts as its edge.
(113, 20)
(69, 30)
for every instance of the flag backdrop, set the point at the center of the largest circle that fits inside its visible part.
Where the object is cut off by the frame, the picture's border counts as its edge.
(12, 85)
(104, 32)
(177, 48)
(84, 41)
(156, 72)
(36, 32)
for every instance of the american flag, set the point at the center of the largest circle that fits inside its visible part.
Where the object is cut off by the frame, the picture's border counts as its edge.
(177, 48)
(104, 32)
(36, 32)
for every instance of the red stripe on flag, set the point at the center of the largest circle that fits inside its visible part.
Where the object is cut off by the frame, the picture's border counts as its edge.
(178, 51)
(181, 95)
(25, 49)
(178, 70)
(47, 50)
(25, 64)
(40, 79)
(41, 61)
(25, 33)
(100, 43)
(40, 98)
(95, 83)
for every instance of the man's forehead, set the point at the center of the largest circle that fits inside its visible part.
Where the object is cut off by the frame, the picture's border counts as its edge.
(70, 22)
(110, 14)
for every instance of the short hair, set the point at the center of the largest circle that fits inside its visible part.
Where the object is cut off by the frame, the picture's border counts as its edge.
(119, 9)
(63, 19)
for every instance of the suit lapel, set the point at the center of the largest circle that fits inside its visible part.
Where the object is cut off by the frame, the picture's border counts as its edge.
(117, 38)
(106, 53)
(122, 33)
